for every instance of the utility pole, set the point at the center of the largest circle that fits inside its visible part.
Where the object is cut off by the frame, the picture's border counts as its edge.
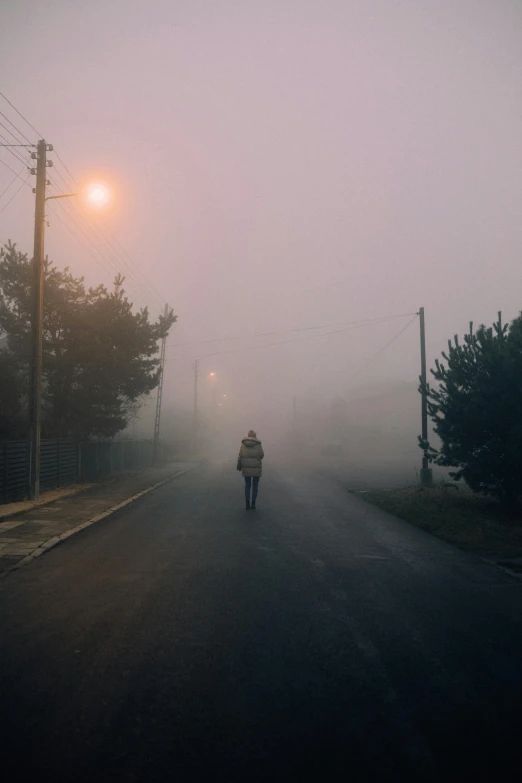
(195, 423)
(155, 445)
(426, 472)
(35, 382)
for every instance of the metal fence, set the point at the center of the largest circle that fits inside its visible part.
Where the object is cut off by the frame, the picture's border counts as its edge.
(64, 462)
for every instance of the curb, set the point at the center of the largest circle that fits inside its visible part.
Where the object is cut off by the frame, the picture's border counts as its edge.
(52, 542)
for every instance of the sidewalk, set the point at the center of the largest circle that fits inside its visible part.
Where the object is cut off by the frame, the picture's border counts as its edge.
(9, 510)
(43, 525)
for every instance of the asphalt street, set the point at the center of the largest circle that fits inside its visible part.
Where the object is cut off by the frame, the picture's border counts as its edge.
(184, 638)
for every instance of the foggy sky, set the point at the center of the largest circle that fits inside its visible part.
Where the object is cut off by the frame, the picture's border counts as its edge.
(286, 164)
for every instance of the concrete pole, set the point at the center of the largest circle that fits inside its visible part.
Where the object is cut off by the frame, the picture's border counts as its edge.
(195, 422)
(35, 387)
(426, 472)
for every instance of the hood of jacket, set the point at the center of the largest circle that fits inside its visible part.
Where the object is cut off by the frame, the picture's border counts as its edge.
(251, 442)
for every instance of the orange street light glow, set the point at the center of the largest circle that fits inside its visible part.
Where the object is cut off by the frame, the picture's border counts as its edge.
(98, 195)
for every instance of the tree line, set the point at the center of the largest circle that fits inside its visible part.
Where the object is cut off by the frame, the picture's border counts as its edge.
(100, 356)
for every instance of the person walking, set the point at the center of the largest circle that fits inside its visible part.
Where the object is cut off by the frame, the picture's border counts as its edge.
(249, 462)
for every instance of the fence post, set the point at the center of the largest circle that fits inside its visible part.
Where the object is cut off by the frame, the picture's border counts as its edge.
(97, 460)
(79, 462)
(6, 472)
(58, 462)
(111, 461)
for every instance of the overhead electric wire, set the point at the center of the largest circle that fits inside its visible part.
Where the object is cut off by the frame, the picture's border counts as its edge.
(108, 253)
(100, 250)
(381, 350)
(71, 231)
(134, 266)
(14, 194)
(12, 170)
(17, 176)
(368, 321)
(79, 228)
(360, 325)
(16, 128)
(153, 294)
(11, 151)
(57, 171)
(65, 167)
(20, 114)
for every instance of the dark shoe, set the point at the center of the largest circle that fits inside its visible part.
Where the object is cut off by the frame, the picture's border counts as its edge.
(253, 506)
(248, 506)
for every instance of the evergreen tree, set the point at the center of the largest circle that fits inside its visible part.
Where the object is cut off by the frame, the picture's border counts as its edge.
(476, 408)
(99, 357)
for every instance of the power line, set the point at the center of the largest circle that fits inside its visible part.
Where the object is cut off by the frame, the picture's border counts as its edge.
(14, 194)
(66, 169)
(107, 252)
(116, 248)
(20, 114)
(17, 176)
(134, 265)
(141, 288)
(16, 128)
(11, 151)
(71, 231)
(301, 329)
(12, 170)
(57, 171)
(100, 251)
(284, 342)
(154, 295)
(381, 350)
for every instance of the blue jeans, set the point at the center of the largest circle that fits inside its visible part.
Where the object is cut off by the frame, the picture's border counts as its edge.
(248, 484)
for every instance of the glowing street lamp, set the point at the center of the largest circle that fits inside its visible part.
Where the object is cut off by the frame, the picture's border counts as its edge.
(97, 195)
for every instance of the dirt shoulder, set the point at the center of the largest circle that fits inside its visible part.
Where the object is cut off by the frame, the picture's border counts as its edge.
(458, 516)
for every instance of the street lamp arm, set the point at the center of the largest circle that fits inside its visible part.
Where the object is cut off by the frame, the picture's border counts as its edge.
(65, 195)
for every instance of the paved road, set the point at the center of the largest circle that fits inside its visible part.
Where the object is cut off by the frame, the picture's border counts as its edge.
(185, 637)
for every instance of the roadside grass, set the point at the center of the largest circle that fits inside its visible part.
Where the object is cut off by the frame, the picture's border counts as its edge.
(470, 521)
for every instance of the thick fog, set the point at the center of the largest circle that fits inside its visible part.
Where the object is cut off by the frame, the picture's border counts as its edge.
(284, 165)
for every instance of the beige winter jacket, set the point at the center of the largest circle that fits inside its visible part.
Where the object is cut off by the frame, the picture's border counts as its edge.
(250, 455)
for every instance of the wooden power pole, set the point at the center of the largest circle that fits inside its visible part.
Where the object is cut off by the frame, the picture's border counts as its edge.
(426, 472)
(35, 377)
